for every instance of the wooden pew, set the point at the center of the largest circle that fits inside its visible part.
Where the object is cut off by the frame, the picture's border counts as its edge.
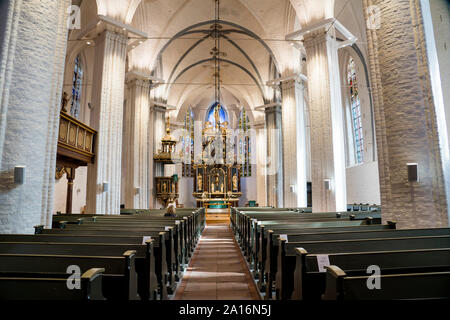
(288, 254)
(270, 261)
(144, 258)
(195, 221)
(144, 230)
(41, 286)
(254, 234)
(119, 280)
(248, 221)
(313, 280)
(174, 227)
(105, 239)
(429, 285)
(267, 251)
(159, 247)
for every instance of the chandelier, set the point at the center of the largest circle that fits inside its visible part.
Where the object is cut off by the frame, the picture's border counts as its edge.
(216, 54)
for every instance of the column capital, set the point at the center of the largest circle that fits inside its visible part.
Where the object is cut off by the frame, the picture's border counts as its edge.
(259, 125)
(320, 31)
(300, 77)
(298, 82)
(276, 108)
(138, 78)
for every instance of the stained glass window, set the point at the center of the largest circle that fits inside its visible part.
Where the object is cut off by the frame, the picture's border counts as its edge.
(76, 88)
(355, 107)
(188, 144)
(244, 146)
(222, 115)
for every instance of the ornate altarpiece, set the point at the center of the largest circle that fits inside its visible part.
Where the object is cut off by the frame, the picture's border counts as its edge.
(217, 177)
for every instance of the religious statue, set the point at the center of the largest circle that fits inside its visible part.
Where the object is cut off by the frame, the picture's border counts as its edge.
(164, 188)
(64, 102)
(216, 185)
(235, 182)
(208, 125)
(171, 208)
(200, 182)
(217, 115)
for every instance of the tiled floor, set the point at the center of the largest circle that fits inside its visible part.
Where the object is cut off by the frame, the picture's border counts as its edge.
(217, 270)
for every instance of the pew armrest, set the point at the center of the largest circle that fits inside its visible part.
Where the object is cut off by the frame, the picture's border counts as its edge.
(131, 276)
(300, 256)
(333, 287)
(91, 273)
(38, 229)
(392, 224)
(92, 284)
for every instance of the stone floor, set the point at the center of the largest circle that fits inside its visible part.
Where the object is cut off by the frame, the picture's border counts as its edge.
(217, 270)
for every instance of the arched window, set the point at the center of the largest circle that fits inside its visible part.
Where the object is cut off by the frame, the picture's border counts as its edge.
(76, 88)
(188, 144)
(355, 108)
(244, 146)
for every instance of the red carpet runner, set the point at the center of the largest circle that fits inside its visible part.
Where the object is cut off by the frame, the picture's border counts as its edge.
(217, 270)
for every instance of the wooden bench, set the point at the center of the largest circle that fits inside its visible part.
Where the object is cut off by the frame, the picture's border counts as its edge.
(313, 279)
(429, 285)
(290, 260)
(145, 229)
(119, 280)
(267, 251)
(182, 241)
(154, 268)
(144, 259)
(247, 222)
(159, 248)
(41, 286)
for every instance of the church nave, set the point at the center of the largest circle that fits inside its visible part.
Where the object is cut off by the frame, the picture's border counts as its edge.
(218, 270)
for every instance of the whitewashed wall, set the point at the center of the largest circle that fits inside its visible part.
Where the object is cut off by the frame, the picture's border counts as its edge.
(363, 184)
(79, 192)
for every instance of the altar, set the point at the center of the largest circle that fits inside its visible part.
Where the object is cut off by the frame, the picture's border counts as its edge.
(217, 184)
(217, 175)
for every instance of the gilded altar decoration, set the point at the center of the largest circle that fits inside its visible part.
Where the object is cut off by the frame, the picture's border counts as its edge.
(235, 182)
(167, 190)
(167, 152)
(216, 172)
(200, 182)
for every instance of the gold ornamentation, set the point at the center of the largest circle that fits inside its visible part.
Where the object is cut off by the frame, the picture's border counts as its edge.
(60, 172)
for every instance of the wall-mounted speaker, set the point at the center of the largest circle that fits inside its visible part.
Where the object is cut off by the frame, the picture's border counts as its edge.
(327, 184)
(19, 174)
(412, 172)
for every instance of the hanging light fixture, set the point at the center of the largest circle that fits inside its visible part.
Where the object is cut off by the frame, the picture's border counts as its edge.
(216, 53)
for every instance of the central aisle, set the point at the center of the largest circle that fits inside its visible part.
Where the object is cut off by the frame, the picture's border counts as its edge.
(217, 270)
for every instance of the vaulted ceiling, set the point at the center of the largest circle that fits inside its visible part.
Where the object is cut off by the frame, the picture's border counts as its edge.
(252, 37)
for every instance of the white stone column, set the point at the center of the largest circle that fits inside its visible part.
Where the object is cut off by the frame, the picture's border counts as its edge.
(327, 133)
(158, 130)
(31, 71)
(294, 143)
(407, 117)
(274, 163)
(135, 143)
(260, 155)
(107, 119)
